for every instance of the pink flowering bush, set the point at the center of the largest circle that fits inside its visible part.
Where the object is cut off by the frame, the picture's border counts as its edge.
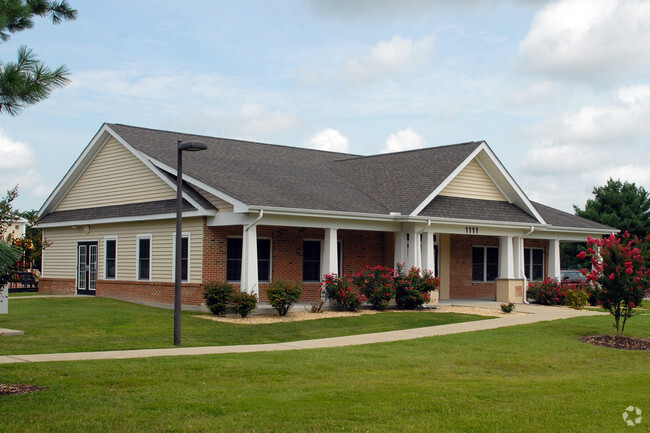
(620, 269)
(377, 285)
(339, 290)
(547, 292)
(412, 288)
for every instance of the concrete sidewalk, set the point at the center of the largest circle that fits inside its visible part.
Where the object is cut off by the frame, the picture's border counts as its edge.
(532, 314)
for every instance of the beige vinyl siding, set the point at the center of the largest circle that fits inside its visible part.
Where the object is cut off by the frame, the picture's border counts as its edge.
(115, 177)
(59, 259)
(473, 182)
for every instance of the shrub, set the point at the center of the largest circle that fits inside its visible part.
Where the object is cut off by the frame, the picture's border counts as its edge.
(412, 289)
(217, 296)
(338, 290)
(576, 295)
(377, 285)
(244, 303)
(547, 292)
(282, 295)
(508, 308)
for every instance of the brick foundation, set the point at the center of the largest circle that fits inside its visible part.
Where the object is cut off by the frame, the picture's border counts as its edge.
(57, 286)
(149, 291)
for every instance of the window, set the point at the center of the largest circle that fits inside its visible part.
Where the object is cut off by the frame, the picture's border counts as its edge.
(234, 255)
(534, 263)
(485, 263)
(311, 261)
(144, 258)
(110, 258)
(185, 258)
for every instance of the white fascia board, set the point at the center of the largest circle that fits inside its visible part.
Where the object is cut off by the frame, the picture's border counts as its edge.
(323, 213)
(162, 216)
(513, 184)
(446, 182)
(81, 163)
(146, 161)
(238, 205)
(487, 172)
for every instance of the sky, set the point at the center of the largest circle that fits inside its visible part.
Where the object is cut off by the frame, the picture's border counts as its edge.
(560, 90)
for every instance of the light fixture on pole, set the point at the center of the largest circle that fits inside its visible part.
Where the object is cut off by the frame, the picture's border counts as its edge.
(189, 146)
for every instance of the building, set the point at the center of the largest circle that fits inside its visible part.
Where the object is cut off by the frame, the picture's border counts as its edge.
(256, 212)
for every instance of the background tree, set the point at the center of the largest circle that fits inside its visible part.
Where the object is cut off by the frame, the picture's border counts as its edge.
(7, 213)
(28, 81)
(619, 204)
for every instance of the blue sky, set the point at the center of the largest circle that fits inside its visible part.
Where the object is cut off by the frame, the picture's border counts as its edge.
(559, 89)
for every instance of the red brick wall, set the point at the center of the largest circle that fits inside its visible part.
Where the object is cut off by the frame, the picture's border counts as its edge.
(57, 286)
(149, 291)
(360, 249)
(460, 284)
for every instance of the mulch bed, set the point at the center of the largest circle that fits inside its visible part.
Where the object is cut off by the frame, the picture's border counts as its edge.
(626, 343)
(19, 389)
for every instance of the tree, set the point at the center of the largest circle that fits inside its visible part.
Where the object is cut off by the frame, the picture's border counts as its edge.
(620, 269)
(621, 205)
(28, 81)
(7, 213)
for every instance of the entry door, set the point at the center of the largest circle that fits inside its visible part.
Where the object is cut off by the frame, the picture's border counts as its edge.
(86, 268)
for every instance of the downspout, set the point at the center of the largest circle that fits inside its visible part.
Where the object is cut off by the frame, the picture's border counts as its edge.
(523, 270)
(256, 220)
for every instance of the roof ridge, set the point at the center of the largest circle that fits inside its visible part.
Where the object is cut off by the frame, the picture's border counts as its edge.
(235, 139)
(379, 155)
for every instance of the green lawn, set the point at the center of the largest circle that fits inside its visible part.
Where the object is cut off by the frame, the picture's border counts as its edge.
(90, 324)
(532, 378)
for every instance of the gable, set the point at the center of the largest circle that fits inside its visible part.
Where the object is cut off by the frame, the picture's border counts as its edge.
(473, 182)
(115, 177)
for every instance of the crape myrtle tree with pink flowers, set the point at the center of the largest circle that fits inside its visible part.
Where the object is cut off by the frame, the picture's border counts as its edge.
(620, 269)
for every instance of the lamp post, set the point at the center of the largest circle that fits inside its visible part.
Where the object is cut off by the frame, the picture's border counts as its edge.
(190, 146)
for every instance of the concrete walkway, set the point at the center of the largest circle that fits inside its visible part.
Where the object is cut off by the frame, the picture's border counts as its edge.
(532, 314)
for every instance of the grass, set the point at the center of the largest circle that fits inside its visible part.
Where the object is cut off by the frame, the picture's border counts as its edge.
(533, 378)
(22, 294)
(90, 324)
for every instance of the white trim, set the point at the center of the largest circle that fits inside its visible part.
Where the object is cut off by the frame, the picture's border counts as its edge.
(162, 216)
(503, 193)
(137, 256)
(238, 205)
(187, 235)
(106, 239)
(447, 180)
(81, 163)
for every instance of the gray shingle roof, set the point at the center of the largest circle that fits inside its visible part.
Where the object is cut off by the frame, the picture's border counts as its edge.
(259, 174)
(474, 209)
(560, 218)
(124, 210)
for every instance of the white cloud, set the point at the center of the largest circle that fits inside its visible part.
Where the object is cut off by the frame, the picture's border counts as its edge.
(389, 58)
(591, 144)
(330, 140)
(17, 163)
(406, 139)
(588, 40)
(14, 154)
(261, 120)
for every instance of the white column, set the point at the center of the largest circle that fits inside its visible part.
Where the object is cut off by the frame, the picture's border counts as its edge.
(518, 244)
(428, 253)
(506, 258)
(554, 259)
(249, 277)
(414, 251)
(400, 248)
(330, 253)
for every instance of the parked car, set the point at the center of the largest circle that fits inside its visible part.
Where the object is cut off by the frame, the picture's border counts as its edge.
(572, 276)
